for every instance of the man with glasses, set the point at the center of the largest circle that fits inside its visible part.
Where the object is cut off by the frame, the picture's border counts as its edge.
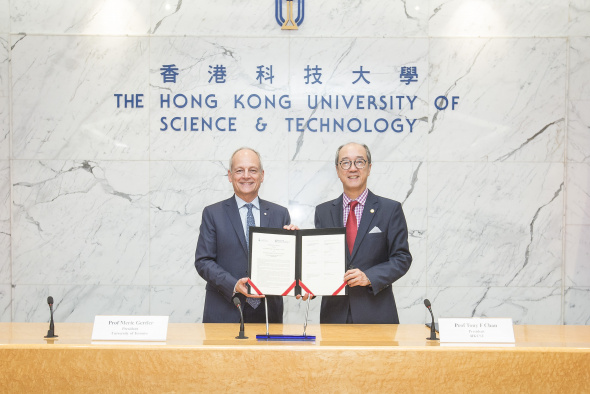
(222, 249)
(377, 249)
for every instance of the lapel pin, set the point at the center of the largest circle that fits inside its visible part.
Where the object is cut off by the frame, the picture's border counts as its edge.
(372, 211)
(264, 213)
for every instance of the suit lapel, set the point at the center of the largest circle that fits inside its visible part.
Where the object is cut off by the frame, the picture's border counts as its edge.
(264, 213)
(336, 212)
(371, 209)
(231, 208)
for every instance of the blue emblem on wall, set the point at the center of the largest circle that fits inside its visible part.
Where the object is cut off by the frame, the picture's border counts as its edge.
(289, 23)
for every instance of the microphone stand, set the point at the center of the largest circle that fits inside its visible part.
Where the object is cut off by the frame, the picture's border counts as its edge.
(432, 327)
(285, 337)
(306, 315)
(266, 311)
(239, 305)
(51, 331)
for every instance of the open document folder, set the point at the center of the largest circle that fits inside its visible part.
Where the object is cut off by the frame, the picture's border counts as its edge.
(285, 262)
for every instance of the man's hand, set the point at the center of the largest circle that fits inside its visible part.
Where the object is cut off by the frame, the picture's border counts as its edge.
(241, 288)
(356, 277)
(290, 227)
(305, 297)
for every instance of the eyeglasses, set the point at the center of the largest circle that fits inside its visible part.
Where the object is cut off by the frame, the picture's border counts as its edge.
(358, 163)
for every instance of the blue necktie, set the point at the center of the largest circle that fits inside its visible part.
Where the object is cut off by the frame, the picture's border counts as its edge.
(249, 223)
(254, 302)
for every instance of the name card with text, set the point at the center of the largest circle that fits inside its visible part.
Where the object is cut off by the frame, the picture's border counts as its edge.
(476, 330)
(130, 328)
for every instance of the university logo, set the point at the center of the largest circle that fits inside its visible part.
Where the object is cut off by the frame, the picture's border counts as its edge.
(289, 23)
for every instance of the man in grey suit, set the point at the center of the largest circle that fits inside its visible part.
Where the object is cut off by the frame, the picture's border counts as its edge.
(377, 249)
(222, 250)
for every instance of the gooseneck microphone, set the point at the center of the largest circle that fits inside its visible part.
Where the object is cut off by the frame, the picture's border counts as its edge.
(236, 301)
(51, 331)
(432, 328)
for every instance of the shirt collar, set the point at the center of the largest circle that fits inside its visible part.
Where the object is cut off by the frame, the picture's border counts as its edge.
(241, 203)
(362, 199)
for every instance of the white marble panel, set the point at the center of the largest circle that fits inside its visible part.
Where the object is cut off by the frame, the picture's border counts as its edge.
(578, 194)
(511, 95)
(577, 307)
(4, 99)
(4, 16)
(4, 128)
(312, 183)
(410, 304)
(197, 60)
(525, 305)
(578, 138)
(577, 256)
(5, 230)
(80, 222)
(495, 224)
(77, 304)
(64, 104)
(372, 18)
(95, 17)
(295, 310)
(578, 148)
(579, 68)
(183, 304)
(225, 18)
(179, 193)
(380, 110)
(579, 18)
(498, 18)
(406, 183)
(369, 18)
(5, 303)
(4, 63)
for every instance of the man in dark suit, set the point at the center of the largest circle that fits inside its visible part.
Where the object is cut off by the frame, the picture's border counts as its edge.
(376, 242)
(222, 251)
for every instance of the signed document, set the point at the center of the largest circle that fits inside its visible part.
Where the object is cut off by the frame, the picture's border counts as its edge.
(284, 262)
(323, 263)
(272, 263)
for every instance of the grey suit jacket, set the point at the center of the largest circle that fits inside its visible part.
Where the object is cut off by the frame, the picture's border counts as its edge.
(221, 257)
(383, 255)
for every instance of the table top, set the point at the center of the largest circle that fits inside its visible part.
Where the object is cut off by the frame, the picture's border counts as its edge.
(196, 335)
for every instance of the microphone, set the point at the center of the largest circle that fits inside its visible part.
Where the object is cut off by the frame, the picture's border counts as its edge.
(432, 328)
(51, 331)
(236, 301)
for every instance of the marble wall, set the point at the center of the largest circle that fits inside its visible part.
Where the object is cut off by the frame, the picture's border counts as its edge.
(101, 210)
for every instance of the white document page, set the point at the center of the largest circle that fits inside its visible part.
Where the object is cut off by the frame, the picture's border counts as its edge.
(323, 260)
(273, 263)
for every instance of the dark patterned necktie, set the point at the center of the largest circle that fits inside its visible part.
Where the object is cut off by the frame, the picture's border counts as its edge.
(254, 302)
(249, 223)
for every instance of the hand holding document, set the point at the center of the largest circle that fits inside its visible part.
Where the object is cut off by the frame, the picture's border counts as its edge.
(242, 288)
(284, 262)
(356, 277)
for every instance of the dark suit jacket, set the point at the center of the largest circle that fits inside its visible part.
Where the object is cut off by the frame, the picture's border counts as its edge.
(222, 258)
(383, 256)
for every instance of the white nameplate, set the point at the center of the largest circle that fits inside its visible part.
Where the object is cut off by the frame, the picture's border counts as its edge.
(476, 330)
(130, 328)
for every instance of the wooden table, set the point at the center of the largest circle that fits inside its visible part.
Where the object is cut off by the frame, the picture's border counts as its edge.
(344, 358)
